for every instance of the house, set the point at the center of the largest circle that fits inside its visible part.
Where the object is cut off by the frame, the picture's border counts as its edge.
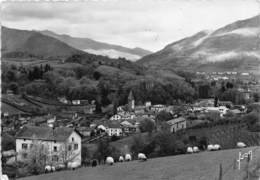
(51, 121)
(10, 92)
(102, 127)
(75, 102)
(114, 129)
(139, 109)
(60, 145)
(115, 117)
(149, 115)
(225, 103)
(127, 127)
(177, 124)
(120, 109)
(85, 131)
(63, 100)
(148, 104)
(245, 74)
(126, 115)
(221, 109)
(205, 102)
(158, 107)
(89, 109)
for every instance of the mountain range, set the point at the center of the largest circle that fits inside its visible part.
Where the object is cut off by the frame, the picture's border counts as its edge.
(99, 48)
(23, 43)
(48, 44)
(233, 47)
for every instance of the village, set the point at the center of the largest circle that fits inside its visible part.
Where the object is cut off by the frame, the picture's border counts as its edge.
(63, 134)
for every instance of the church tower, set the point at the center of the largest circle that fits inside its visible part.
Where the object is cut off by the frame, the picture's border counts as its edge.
(131, 101)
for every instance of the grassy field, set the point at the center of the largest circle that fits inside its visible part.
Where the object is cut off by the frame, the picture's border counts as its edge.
(201, 166)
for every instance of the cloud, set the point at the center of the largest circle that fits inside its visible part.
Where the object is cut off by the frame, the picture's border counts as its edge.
(148, 24)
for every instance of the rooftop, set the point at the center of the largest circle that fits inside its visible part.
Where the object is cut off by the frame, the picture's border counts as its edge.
(44, 133)
(176, 120)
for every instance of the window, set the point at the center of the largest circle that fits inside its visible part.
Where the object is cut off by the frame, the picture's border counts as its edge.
(55, 148)
(55, 158)
(69, 148)
(72, 139)
(76, 146)
(24, 146)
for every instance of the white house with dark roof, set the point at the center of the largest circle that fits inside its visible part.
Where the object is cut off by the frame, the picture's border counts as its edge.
(61, 145)
(114, 129)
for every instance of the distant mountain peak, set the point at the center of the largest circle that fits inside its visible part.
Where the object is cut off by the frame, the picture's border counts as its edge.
(234, 46)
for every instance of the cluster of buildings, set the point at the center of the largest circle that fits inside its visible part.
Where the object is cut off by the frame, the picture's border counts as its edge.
(62, 142)
(64, 100)
(226, 75)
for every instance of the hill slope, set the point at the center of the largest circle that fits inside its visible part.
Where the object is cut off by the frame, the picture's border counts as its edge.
(237, 43)
(22, 43)
(99, 48)
(203, 166)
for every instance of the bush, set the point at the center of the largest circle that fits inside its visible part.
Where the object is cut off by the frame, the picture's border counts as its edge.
(8, 142)
(138, 144)
(253, 121)
(165, 144)
(147, 125)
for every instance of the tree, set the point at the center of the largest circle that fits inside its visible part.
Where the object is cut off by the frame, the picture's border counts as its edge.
(163, 116)
(256, 97)
(103, 150)
(47, 68)
(10, 76)
(8, 142)
(37, 158)
(165, 143)
(253, 121)
(147, 125)
(204, 91)
(14, 87)
(66, 153)
(84, 153)
(229, 85)
(215, 101)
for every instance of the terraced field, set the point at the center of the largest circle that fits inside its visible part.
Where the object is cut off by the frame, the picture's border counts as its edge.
(201, 166)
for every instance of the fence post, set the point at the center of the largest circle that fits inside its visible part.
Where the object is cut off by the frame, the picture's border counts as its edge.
(220, 172)
(239, 160)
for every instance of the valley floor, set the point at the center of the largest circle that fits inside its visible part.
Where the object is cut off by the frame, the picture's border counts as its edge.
(201, 166)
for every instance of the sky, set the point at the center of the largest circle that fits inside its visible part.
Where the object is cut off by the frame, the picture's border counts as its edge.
(149, 24)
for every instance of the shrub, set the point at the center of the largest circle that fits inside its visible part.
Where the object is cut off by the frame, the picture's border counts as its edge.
(147, 125)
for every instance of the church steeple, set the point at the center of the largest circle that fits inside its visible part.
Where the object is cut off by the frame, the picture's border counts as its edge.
(131, 101)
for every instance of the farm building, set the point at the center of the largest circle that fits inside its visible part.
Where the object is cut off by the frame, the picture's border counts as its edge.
(177, 124)
(60, 145)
